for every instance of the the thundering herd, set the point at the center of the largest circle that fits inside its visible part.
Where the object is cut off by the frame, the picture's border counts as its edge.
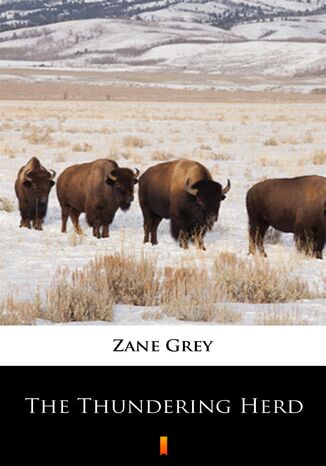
(182, 191)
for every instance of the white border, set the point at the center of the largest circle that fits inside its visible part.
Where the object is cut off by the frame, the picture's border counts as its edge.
(93, 345)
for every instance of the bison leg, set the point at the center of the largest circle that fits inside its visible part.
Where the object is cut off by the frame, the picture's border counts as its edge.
(312, 244)
(320, 242)
(64, 219)
(74, 215)
(105, 231)
(25, 223)
(151, 223)
(305, 240)
(155, 223)
(147, 230)
(96, 231)
(37, 224)
(256, 238)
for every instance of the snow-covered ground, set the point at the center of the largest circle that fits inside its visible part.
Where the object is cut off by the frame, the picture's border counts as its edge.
(243, 142)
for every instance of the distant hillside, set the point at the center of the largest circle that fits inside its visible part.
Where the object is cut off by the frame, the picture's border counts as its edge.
(224, 14)
(141, 45)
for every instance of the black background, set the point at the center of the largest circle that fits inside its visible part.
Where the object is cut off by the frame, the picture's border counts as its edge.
(202, 439)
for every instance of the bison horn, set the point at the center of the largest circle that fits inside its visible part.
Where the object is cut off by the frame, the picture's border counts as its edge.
(53, 174)
(227, 188)
(112, 177)
(136, 172)
(27, 176)
(189, 189)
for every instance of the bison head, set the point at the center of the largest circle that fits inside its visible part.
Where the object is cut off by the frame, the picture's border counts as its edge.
(207, 196)
(123, 181)
(40, 183)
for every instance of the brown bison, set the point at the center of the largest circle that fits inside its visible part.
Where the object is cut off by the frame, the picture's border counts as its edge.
(291, 205)
(98, 188)
(32, 187)
(183, 191)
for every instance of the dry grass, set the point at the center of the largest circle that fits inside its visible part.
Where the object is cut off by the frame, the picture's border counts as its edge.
(270, 142)
(289, 140)
(91, 293)
(133, 156)
(153, 314)
(257, 281)
(268, 162)
(60, 158)
(279, 316)
(82, 147)
(186, 293)
(162, 155)
(223, 139)
(223, 156)
(75, 239)
(14, 312)
(38, 135)
(6, 125)
(205, 146)
(319, 157)
(308, 138)
(8, 150)
(6, 204)
(78, 297)
(183, 297)
(189, 294)
(134, 282)
(133, 141)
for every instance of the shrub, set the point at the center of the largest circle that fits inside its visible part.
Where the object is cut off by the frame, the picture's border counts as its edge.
(257, 281)
(270, 142)
(6, 204)
(14, 312)
(133, 141)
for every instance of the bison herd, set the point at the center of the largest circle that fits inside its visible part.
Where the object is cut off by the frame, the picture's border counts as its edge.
(182, 191)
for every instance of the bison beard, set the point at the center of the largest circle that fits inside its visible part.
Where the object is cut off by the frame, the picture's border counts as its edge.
(193, 221)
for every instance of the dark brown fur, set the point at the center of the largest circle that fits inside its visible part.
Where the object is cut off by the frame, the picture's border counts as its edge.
(291, 205)
(88, 188)
(162, 194)
(32, 187)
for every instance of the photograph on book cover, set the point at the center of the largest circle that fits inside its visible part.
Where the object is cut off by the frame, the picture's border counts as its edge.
(163, 162)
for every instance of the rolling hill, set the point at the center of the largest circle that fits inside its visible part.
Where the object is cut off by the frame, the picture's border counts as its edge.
(220, 13)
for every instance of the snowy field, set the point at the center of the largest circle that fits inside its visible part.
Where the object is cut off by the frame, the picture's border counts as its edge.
(244, 142)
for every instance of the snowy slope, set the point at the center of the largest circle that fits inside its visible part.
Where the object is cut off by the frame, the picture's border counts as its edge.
(175, 46)
(103, 41)
(308, 28)
(221, 13)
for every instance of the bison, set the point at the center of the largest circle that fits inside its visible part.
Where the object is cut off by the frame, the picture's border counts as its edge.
(32, 187)
(98, 188)
(183, 191)
(292, 205)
